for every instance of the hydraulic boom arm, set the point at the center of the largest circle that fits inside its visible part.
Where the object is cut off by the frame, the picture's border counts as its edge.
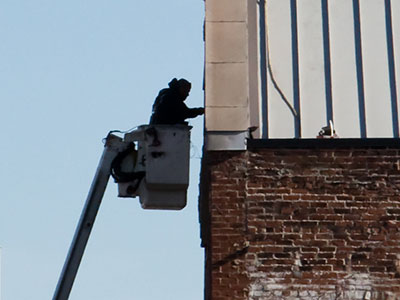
(113, 146)
(144, 172)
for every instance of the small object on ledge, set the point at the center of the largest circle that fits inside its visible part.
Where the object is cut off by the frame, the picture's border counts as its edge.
(327, 132)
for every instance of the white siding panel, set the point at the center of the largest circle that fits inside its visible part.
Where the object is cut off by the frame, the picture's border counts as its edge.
(311, 65)
(278, 19)
(344, 69)
(396, 44)
(376, 71)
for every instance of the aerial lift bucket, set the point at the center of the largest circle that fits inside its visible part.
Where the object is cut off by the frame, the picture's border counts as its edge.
(151, 162)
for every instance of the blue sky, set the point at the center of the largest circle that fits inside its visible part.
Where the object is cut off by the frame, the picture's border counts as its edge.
(70, 71)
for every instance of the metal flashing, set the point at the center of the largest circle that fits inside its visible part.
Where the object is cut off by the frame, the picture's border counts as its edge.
(225, 140)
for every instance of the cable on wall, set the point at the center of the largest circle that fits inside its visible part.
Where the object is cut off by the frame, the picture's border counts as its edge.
(269, 67)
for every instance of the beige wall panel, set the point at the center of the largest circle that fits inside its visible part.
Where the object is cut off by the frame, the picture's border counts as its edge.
(226, 42)
(281, 119)
(376, 70)
(344, 69)
(226, 84)
(311, 68)
(227, 118)
(226, 10)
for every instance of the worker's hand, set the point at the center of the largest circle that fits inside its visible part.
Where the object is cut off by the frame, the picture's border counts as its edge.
(200, 111)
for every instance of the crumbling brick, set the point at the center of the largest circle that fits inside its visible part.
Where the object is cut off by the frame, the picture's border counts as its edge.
(301, 223)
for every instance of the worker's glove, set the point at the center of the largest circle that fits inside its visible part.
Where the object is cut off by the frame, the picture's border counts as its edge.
(200, 111)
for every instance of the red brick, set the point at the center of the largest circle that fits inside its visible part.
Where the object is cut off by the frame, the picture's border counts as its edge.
(331, 215)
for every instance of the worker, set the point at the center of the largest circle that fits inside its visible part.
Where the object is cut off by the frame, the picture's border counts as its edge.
(169, 107)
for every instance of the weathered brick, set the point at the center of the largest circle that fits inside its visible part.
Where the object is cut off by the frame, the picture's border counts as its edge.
(302, 224)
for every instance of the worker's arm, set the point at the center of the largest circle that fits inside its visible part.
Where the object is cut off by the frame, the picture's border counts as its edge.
(194, 112)
(185, 112)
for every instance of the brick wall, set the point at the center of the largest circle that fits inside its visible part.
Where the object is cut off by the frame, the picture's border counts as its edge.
(309, 223)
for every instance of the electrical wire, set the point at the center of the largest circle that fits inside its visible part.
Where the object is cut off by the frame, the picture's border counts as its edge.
(269, 67)
(126, 131)
(118, 131)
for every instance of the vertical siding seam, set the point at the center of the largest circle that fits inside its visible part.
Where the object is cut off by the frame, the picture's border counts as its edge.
(327, 61)
(295, 62)
(263, 70)
(360, 69)
(392, 68)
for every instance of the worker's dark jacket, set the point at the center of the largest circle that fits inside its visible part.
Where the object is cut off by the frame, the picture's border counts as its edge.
(170, 109)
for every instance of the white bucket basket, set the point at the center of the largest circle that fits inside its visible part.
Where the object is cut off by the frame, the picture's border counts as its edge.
(163, 154)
